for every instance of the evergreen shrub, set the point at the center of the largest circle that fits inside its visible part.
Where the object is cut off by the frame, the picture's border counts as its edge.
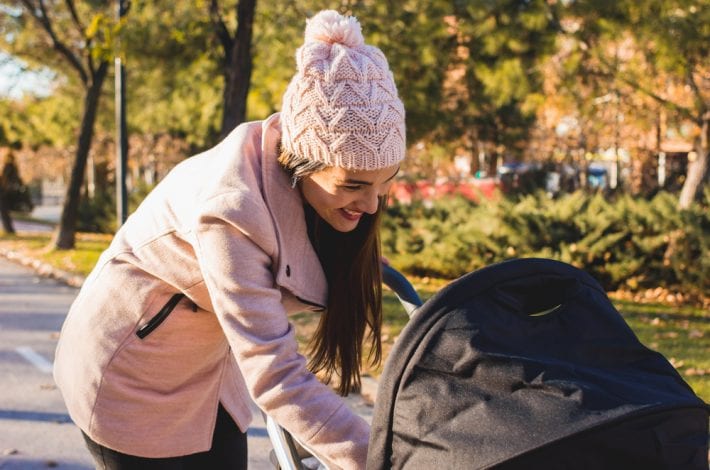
(626, 242)
(97, 214)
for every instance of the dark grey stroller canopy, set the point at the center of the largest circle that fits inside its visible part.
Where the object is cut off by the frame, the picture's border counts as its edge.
(527, 364)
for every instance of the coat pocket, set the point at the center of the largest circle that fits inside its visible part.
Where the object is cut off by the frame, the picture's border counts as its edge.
(159, 317)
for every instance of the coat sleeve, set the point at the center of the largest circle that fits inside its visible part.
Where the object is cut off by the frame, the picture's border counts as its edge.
(236, 262)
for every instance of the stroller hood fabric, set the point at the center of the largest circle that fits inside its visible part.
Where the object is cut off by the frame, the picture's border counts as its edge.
(527, 364)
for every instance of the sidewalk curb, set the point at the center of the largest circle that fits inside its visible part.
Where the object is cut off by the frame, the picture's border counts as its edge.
(43, 269)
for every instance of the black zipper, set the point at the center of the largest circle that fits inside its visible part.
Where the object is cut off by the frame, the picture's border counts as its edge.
(159, 317)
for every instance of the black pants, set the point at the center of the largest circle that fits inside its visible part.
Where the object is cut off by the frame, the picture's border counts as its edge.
(229, 451)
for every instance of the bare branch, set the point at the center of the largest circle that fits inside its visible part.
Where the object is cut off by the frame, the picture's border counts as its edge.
(82, 32)
(612, 72)
(634, 84)
(220, 27)
(90, 62)
(39, 13)
(698, 95)
(75, 17)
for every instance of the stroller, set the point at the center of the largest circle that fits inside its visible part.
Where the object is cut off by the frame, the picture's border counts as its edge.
(521, 365)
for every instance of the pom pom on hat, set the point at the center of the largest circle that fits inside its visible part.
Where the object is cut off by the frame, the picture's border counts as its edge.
(330, 27)
(341, 108)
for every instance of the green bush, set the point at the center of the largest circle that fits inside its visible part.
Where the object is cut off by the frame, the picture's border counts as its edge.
(97, 214)
(626, 242)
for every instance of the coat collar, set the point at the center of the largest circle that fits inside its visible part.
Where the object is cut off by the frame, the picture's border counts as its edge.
(299, 269)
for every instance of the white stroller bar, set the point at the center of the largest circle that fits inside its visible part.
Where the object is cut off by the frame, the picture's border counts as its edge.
(285, 455)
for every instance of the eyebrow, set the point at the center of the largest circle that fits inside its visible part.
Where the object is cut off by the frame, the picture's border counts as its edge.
(369, 183)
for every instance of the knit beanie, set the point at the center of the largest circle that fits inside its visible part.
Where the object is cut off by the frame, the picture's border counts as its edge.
(341, 108)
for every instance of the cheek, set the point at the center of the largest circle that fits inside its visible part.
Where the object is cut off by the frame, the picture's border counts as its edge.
(318, 197)
(334, 202)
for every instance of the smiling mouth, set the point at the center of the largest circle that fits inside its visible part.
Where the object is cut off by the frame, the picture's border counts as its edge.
(351, 215)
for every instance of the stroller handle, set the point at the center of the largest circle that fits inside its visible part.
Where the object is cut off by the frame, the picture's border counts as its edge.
(403, 289)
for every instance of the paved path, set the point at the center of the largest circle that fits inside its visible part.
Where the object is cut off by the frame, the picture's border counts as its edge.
(26, 226)
(35, 430)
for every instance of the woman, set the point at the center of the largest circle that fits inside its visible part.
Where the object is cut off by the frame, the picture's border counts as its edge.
(184, 317)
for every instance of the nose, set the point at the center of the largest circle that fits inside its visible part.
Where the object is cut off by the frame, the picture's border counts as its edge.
(370, 202)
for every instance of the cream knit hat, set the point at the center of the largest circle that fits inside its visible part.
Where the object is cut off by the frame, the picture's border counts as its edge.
(341, 108)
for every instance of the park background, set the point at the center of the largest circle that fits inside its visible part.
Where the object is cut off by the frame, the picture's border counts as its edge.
(566, 129)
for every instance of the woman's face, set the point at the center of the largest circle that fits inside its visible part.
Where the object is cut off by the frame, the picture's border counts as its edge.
(341, 197)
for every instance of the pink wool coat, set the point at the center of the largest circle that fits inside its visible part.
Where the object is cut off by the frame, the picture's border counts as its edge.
(226, 229)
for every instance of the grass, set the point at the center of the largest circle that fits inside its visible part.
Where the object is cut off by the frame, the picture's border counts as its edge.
(80, 260)
(681, 334)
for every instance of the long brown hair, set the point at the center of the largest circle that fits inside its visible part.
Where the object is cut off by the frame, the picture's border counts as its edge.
(351, 262)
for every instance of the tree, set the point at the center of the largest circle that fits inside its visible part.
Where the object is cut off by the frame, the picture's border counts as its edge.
(673, 38)
(502, 45)
(190, 67)
(78, 47)
(420, 46)
(236, 61)
(173, 81)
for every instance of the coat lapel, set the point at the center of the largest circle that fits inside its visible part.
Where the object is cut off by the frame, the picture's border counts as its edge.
(299, 269)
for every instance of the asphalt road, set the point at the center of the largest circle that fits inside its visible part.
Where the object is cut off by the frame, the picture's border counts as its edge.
(35, 429)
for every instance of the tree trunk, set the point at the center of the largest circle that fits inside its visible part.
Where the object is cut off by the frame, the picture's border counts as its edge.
(697, 170)
(237, 69)
(65, 236)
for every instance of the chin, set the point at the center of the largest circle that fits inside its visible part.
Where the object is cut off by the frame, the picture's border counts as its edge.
(343, 226)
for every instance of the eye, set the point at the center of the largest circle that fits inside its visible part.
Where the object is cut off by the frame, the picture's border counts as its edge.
(351, 187)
